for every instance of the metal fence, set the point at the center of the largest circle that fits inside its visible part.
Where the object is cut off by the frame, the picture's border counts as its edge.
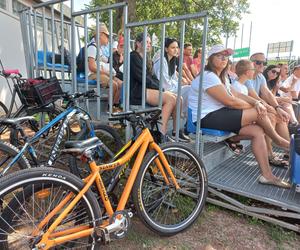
(47, 38)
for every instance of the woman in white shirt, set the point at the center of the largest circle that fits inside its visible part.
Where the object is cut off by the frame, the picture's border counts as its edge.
(225, 109)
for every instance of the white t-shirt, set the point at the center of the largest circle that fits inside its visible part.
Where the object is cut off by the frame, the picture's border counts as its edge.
(239, 87)
(209, 104)
(92, 52)
(287, 83)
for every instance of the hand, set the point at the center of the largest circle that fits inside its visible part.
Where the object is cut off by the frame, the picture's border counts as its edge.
(261, 109)
(283, 115)
(270, 109)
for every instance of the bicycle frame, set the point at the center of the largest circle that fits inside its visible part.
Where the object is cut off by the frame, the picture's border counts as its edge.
(66, 116)
(143, 142)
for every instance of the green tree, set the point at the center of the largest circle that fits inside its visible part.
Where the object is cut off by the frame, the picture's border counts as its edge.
(224, 16)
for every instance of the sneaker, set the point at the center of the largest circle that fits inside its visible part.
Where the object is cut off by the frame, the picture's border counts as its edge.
(182, 136)
(166, 138)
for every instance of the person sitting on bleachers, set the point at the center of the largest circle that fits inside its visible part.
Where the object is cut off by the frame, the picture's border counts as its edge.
(97, 54)
(152, 86)
(118, 58)
(225, 109)
(169, 74)
(196, 63)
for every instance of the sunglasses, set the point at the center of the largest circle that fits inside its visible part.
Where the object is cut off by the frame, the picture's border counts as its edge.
(260, 62)
(222, 57)
(275, 72)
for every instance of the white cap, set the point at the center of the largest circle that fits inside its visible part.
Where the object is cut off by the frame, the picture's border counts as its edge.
(219, 48)
(115, 45)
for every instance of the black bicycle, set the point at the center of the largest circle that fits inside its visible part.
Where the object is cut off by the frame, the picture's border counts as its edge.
(43, 148)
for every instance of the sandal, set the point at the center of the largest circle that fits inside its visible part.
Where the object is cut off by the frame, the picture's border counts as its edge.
(276, 182)
(277, 162)
(234, 147)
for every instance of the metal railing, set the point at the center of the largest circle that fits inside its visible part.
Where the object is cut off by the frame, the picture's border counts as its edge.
(46, 11)
(182, 19)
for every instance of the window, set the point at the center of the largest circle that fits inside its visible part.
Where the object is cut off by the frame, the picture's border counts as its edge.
(17, 6)
(3, 4)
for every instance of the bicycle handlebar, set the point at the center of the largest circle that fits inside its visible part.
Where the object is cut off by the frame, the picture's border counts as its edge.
(76, 95)
(135, 116)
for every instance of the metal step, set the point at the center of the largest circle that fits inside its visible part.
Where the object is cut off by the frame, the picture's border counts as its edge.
(240, 175)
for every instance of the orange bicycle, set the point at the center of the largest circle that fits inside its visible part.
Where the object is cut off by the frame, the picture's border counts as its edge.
(43, 208)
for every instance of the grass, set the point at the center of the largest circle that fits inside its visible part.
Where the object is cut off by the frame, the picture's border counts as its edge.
(280, 235)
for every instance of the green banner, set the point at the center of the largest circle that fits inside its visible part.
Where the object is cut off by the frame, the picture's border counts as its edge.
(242, 52)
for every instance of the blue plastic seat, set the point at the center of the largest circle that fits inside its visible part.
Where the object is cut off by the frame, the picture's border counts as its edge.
(49, 64)
(81, 79)
(191, 128)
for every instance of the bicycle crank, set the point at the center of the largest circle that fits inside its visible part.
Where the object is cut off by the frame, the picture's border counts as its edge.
(118, 227)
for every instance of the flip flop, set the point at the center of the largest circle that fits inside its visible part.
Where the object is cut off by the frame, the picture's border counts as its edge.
(234, 147)
(277, 162)
(278, 183)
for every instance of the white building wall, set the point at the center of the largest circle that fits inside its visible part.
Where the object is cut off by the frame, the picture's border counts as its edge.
(11, 48)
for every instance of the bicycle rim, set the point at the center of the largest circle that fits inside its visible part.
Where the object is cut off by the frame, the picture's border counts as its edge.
(163, 208)
(27, 202)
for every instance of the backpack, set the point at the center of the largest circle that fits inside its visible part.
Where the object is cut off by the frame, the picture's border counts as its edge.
(81, 57)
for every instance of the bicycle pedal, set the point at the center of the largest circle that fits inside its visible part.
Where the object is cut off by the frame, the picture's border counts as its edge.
(102, 235)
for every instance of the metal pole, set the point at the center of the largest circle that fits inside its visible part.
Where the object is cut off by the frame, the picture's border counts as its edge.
(199, 147)
(31, 46)
(162, 52)
(37, 72)
(242, 35)
(52, 40)
(126, 64)
(44, 44)
(62, 45)
(144, 67)
(250, 36)
(86, 59)
(178, 100)
(111, 62)
(73, 55)
(98, 66)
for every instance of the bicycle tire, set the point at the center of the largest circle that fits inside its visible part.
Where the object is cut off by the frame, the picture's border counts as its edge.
(3, 110)
(41, 116)
(29, 195)
(3, 114)
(153, 198)
(105, 153)
(7, 153)
(44, 145)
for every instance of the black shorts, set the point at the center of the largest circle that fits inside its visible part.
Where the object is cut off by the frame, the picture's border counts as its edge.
(225, 119)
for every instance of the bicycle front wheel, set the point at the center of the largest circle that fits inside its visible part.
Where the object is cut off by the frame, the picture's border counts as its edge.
(29, 196)
(161, 207)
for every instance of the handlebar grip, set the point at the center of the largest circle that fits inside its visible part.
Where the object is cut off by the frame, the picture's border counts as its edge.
(11, 71)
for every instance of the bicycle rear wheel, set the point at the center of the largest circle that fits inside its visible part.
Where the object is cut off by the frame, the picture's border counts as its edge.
(3, 110)
(105, 153)
(161, 207)
(28, 196)
(7, 154)
(3, 114)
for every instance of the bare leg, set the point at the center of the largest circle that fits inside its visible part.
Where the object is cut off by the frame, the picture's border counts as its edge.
(250, 116)
(259, 148)
(168, 105)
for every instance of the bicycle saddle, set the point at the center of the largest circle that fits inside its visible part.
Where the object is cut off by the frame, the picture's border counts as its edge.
(78, 147)
(15, 121)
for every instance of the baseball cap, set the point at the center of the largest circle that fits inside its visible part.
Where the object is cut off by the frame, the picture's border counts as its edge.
(103, 29)
(297, 66)
(219, 48)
